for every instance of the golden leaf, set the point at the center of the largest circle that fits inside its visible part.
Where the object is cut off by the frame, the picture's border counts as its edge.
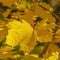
(27, 57)
(27, 16)
(5, 52)
(21, 6)
(5, 49)
(47, 6)
(55, 56)
(3, 33)
(1, 23)
(44, 13)
(57, 37)
(8, 3)
(43, 29)
(16, 16)
(31, 44)
(19, 33)
(6, 13)
(51, 48)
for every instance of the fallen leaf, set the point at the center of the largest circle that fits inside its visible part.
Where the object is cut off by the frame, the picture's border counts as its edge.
(51, 48)
(19, 36)
(44, 32)
(9, 4)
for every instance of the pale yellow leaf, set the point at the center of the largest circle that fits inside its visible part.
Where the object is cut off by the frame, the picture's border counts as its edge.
(19, 33)
(55, 56)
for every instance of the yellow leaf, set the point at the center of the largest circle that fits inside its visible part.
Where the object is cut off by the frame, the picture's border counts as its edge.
(44, 13)
(47, 6)
(54, 56)
(3, 33)
(5, 52)
(31, 44)
(57, 36)
(51, 48)
(6, 13)
(8, 3)
(5, 49)
(44, 31)
(19, 33)
(28, 57)
(27, 16)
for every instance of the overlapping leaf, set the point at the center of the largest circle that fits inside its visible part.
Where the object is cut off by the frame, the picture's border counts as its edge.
(51, 48)
(57, 37)
(44, 31)
(22, 41)
(19, 36)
